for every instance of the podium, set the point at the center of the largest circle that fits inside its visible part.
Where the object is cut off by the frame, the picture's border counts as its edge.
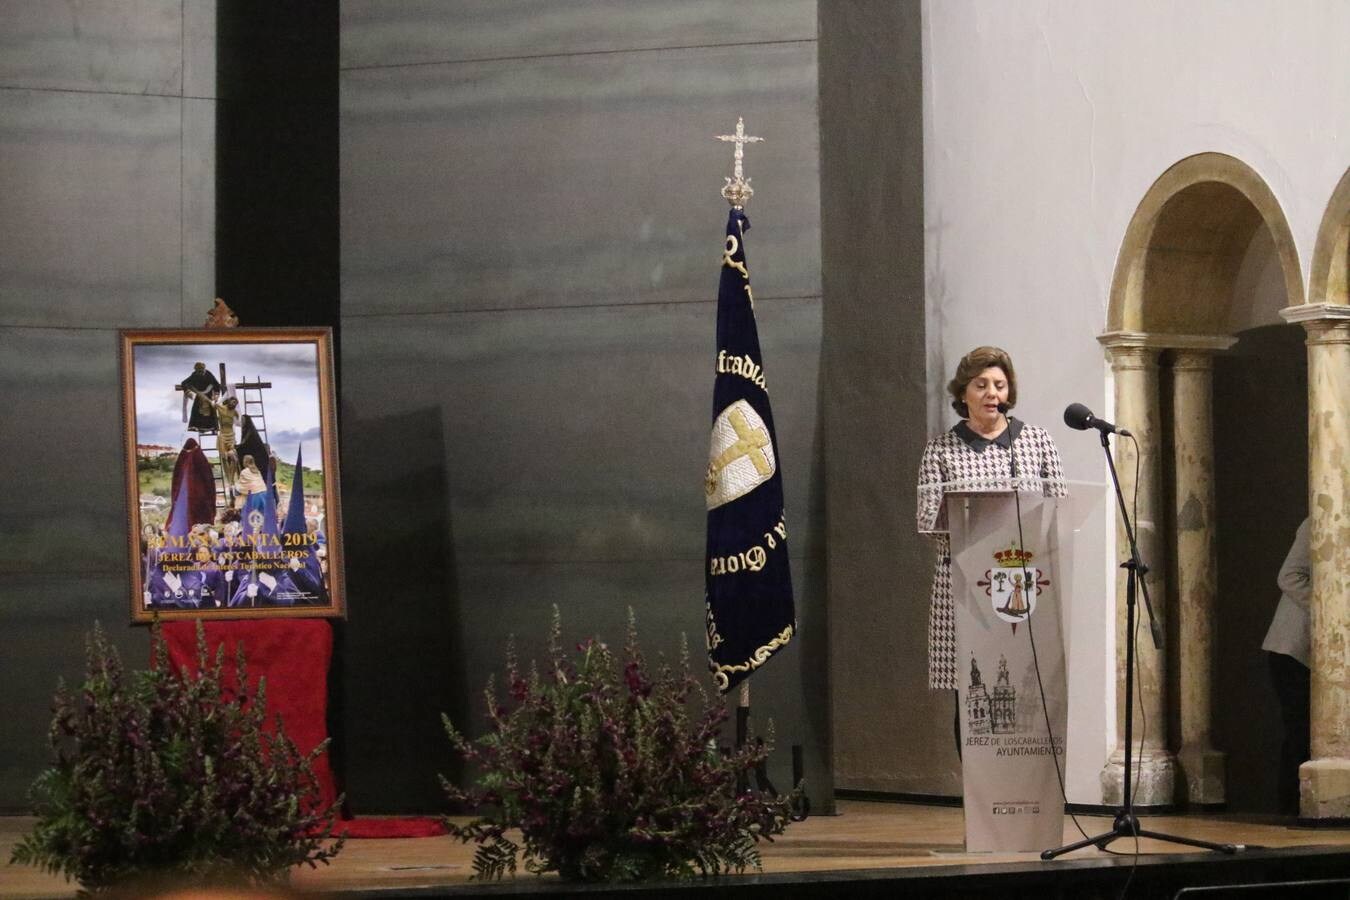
(1009, 571)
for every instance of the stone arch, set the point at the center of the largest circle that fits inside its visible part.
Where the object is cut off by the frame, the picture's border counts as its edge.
(1171, 310)
(1326, 319)
(1331, 254)
(1175, 270)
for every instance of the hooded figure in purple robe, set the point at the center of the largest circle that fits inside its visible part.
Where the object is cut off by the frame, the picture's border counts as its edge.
(180, 574)
(302, 562)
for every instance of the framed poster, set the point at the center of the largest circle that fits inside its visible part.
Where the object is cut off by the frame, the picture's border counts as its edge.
(231, 473)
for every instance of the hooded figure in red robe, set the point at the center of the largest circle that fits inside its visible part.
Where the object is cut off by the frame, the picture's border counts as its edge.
(192, 472)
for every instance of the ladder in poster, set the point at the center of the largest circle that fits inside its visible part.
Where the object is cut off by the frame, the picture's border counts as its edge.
(251, 402)
(250, 395)
(211, 449)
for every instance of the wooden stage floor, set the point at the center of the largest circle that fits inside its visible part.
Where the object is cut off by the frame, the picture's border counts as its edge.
(870, 840)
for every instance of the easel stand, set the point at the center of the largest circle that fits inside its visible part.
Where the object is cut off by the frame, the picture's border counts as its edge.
(1126, 824)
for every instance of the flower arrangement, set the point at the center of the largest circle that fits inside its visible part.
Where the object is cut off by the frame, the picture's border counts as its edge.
(168, 772)
(610, 773)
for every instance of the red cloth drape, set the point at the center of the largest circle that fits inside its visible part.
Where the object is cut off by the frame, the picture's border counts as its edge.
(294, 656)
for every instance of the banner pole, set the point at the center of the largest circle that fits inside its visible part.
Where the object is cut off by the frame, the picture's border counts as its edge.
(743, 732)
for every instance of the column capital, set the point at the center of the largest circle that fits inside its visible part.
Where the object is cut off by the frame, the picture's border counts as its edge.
(1326, 323)
(1192, 360)
(1158, 340)
(1129, 350)
(1311, 312)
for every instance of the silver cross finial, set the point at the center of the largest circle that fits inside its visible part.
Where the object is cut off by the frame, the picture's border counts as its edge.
(737, 190)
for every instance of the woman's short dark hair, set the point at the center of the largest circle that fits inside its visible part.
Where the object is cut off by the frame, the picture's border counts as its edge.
(972, 364)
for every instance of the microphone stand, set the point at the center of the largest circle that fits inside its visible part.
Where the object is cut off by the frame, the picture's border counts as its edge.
(1126, 823)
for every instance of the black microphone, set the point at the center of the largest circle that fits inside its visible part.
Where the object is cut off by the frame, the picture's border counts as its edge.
(1078, 416)
(1012, 457)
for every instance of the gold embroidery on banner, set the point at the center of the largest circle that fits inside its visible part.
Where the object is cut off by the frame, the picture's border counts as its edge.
(750, 442)
(714, 639)
(732, 246)
(743, 366)
(753, 559)
(738, 433)
(721, 676)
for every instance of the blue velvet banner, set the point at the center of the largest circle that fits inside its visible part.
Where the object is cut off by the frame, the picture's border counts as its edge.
(749, 586)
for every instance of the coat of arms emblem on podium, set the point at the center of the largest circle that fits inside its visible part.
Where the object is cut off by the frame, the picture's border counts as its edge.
(1013, 584)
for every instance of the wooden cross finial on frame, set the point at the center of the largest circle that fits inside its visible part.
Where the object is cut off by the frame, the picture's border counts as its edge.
(221, 316)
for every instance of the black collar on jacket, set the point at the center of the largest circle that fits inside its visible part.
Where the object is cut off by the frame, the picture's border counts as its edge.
(978, 444)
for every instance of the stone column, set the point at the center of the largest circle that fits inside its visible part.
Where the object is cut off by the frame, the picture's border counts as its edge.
(1201, 765)
(1134, 362)
(1324, 781)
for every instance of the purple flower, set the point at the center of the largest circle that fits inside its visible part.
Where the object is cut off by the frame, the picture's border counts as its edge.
(610, 760)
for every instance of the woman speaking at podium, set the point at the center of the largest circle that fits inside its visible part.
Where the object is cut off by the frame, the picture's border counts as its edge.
(986, 451)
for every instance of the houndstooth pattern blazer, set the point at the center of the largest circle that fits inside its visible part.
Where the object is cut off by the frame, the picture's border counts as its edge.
(961, 457)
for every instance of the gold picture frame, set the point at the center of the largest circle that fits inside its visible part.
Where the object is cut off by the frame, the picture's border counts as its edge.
(233, 509)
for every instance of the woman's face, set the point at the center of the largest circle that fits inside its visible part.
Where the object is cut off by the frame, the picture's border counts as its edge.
(984, 393)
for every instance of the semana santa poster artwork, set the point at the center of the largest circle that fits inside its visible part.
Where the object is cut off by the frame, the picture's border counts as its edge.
(231, 473)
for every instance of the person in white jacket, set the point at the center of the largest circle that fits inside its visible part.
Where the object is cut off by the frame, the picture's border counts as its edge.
(1287, 651)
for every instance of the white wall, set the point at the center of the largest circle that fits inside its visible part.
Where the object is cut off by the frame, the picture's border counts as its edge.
(1044, 125)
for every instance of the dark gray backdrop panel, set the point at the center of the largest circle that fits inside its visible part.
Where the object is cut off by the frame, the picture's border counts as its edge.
(380, 33)
(891, 734)
(578, 434)
(92, 209)
(64, 510)
(128, 47)
(574, 180)
(107, 222)
(514, 234)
